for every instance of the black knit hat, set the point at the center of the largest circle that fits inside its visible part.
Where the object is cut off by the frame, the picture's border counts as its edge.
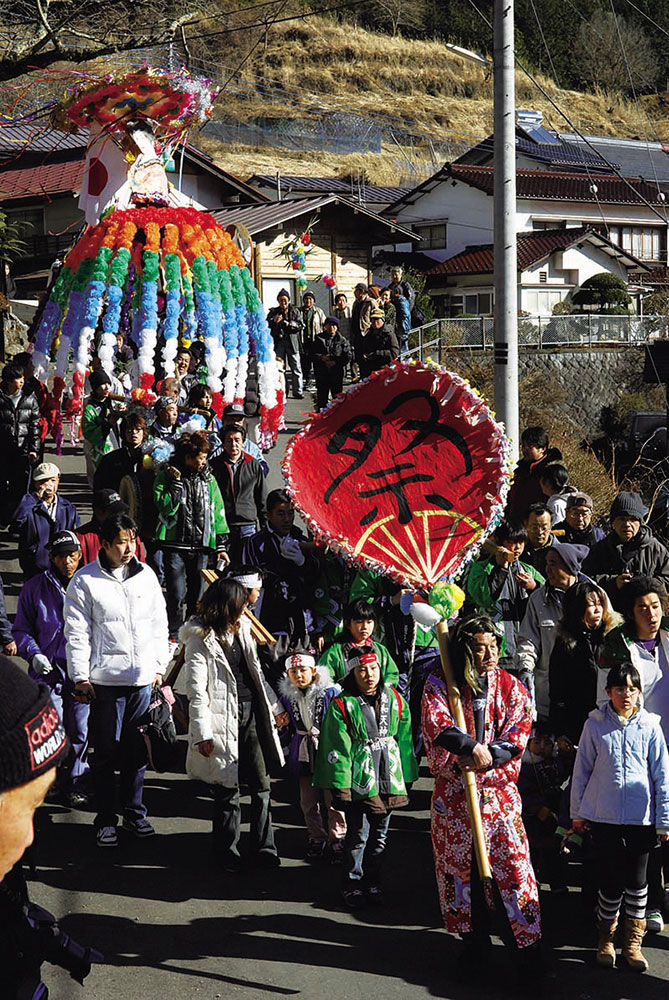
(628, 504)
(96, 379)
(32, 738)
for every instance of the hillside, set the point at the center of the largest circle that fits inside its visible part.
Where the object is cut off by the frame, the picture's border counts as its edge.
(428, 103)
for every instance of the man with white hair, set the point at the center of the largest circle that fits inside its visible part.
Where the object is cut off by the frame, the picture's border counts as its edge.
(40, 514)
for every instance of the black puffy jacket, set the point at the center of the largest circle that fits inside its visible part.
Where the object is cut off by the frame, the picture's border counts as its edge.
(19, 426)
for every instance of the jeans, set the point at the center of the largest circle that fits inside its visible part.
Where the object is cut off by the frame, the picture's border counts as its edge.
(288, 351)
(154, 557)
(183, 583)
(238, 532)
(75, 722)
(227, 807)
(115, 714)
(365, 843)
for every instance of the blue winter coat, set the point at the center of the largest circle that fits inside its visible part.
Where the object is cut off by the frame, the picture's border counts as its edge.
(38, 626)
(621, 774)
(34, 526)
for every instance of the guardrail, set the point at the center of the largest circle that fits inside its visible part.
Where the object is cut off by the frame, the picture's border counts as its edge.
(478, 332)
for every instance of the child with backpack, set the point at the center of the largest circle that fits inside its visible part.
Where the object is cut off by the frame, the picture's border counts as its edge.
(306, 692)
(365, 756)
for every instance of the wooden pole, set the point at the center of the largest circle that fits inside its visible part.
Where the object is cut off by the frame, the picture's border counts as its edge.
(468, 777)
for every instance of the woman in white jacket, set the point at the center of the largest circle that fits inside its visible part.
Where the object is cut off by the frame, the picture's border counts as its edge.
(233, 722)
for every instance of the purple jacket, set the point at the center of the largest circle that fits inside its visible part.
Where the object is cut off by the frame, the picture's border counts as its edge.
(34, 526)
(307, 710)
(38, 626)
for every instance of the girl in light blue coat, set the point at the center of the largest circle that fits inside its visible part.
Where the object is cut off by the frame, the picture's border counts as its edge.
(620, 791)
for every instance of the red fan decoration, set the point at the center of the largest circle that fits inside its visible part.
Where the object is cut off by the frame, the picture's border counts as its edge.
(404, 473)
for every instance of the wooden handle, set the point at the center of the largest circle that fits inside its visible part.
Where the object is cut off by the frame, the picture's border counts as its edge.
(468, 778)
(258, 630)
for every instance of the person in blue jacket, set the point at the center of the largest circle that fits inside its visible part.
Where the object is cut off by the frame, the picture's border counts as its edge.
(40, 514)
(40, 639)
(620, 792)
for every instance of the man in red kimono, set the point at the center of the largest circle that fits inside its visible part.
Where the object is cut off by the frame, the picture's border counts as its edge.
(498, 718)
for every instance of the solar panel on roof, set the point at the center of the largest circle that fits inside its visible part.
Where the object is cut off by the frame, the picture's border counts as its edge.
(540, 134)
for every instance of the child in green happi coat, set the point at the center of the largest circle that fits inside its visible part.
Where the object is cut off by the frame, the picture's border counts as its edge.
(365, 756)
(360, 619)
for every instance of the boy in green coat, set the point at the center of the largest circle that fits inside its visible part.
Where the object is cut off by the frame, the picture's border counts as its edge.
(365, 756)
(191, 525)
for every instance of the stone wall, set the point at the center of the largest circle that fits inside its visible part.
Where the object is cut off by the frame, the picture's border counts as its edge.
(586, 379)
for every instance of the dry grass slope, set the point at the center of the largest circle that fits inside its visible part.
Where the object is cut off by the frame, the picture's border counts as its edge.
(343, 67)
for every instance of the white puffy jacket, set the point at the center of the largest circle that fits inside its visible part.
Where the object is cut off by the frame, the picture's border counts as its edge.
(214, 709)
(115, 630)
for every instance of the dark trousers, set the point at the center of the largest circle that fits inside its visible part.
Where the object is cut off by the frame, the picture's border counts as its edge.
(183, 585)
(622, 856)
(115, 714)
(658, 865)
(365, 843)
(14, 483)
(227, 807)
(238, 533)
(328, 383)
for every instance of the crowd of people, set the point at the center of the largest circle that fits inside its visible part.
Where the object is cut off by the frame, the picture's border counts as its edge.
(296, 663)
(318, 350)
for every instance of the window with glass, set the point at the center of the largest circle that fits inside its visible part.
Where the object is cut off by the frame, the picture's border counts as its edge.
(432, 237)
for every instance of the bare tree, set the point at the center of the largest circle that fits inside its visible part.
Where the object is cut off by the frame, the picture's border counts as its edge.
(36, 34)
(615, 54)
(396, 14)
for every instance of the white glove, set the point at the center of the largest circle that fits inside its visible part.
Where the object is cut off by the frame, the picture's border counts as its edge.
(424, 614)
(290, 549)
(41, 664)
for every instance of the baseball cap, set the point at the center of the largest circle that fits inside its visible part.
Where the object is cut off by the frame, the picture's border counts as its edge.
(580, 500)
(110, 502)
(234, 411)
(64, 541)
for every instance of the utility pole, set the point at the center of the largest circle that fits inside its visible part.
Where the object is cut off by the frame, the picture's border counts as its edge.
(504, 215)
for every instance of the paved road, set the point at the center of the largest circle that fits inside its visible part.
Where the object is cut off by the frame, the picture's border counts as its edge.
(173, 928)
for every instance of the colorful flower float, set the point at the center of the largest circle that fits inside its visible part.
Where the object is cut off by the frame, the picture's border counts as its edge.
(149, 264)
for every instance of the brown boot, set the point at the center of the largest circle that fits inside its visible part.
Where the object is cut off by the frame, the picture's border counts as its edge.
(634, 932)
(606, 952)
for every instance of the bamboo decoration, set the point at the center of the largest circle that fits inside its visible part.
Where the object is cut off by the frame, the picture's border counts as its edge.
(258, 630)
(468, 778)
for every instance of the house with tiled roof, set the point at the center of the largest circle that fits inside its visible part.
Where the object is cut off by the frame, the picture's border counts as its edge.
(290, 186)
(552, 264)
(452, 212)
(41, 176)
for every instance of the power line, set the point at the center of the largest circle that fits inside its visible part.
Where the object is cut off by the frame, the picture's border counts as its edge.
(292, 17)
(572, 126)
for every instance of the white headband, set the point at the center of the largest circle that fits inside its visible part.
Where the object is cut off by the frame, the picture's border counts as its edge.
(251, 580)
(300, 660)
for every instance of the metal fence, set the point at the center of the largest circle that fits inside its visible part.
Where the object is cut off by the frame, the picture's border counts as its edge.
(478, 332)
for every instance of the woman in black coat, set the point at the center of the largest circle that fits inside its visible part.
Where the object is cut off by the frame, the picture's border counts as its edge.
(572, 673)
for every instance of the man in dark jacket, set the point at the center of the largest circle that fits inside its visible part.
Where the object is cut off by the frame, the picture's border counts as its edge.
(19, 439)
(289, 571)
(525, 486)
(379, 345)
(331, 355)
(401, 285)
(242, 485)
(106, 503)
(39, 632)
(285, 325)
(128, 461)
(577, 526)
(628, 550)
(40, 514)
(360, 317)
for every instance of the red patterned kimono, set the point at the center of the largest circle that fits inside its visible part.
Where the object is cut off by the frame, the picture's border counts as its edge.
(507, 717)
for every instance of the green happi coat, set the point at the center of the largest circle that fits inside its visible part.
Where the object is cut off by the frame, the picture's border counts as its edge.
(356, 754)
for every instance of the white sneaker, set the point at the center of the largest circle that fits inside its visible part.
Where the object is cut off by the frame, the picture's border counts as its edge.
(654, 922)
(107, 837)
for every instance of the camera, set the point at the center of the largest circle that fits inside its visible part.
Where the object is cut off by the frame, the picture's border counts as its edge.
(57, 947)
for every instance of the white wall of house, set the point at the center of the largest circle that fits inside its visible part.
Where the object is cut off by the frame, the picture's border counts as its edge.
(468, 213)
